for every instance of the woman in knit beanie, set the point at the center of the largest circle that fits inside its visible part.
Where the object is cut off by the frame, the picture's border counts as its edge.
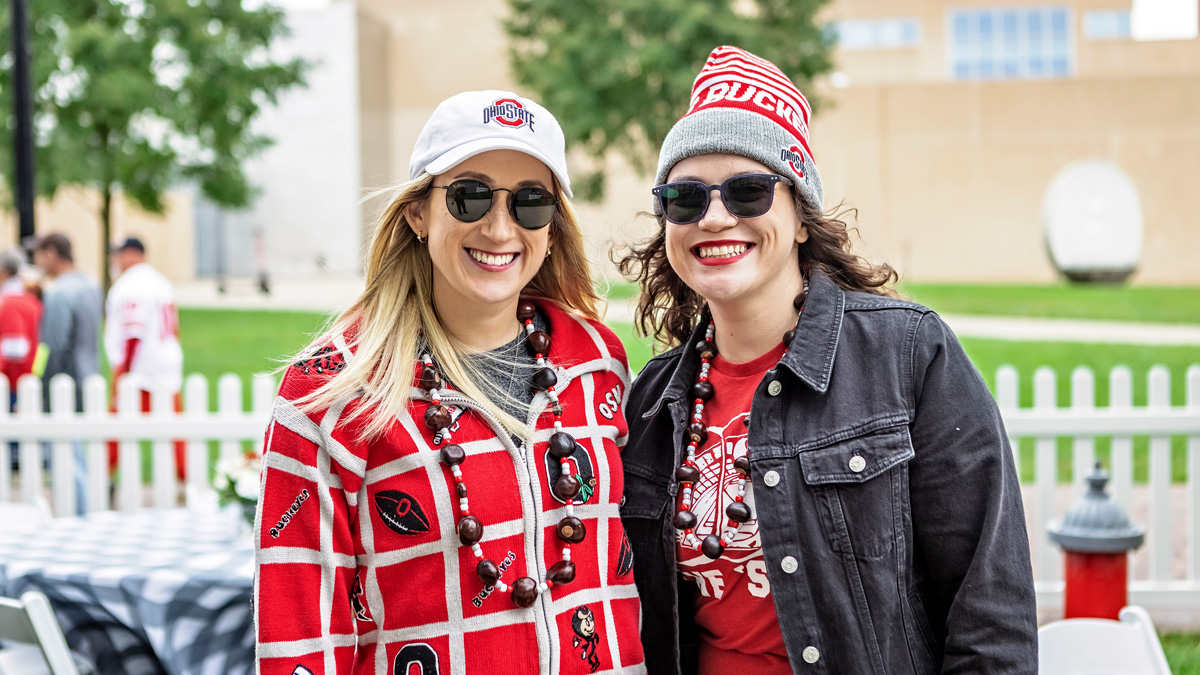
(817, 478)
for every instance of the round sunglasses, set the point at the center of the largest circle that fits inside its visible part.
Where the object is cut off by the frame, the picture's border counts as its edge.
(469, 200)
(745, 196)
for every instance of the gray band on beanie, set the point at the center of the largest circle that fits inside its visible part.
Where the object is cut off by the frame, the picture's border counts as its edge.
(740, 132)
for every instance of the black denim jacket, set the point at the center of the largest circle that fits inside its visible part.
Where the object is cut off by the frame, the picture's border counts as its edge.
(912, 558)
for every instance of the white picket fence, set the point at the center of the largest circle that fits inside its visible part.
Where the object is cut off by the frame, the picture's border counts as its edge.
(1170, 578)
(230, 424)
(1167, 576)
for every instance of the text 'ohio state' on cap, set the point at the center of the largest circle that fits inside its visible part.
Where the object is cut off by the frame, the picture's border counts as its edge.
(474, 122)
(742, 104)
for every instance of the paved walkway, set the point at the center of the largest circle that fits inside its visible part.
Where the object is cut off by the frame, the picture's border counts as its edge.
(332, 294)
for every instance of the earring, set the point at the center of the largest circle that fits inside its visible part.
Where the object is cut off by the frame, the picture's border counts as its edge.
(420, 239)
(547, 251)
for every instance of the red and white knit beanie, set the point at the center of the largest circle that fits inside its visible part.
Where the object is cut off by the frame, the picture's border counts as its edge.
(744, 105)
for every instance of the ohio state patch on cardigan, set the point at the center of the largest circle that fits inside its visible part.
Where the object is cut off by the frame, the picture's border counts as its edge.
(581, 468)
(416, 654)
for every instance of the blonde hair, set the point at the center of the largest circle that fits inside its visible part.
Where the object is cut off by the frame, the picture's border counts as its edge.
(396, 312)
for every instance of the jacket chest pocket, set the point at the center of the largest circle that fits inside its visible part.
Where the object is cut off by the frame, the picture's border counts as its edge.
(860, 485)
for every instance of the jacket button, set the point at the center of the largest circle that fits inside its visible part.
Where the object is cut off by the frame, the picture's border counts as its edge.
(771, 478)
(810, 654)
(774, 388)
(857, 464)
(790, 565)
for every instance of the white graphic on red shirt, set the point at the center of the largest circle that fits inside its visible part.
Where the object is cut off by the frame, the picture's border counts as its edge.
(716, 489)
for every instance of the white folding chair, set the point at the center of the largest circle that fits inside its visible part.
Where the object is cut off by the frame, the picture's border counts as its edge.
(1102, 646)
(31, 621)
(23, 516)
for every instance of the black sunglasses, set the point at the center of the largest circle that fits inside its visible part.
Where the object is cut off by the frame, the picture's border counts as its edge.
(469, 200)
(745, 196)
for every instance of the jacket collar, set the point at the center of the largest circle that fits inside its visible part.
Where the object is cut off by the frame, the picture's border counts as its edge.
(810, 356)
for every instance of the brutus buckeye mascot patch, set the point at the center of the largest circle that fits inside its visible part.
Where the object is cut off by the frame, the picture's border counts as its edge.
(583, 622)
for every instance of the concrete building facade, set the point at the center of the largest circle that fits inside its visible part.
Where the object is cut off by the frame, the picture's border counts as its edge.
(944, 124)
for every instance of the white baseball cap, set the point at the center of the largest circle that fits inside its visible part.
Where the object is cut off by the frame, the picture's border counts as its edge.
(474, 122)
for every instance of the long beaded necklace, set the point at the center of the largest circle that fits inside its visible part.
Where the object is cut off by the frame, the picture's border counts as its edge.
(738, 511)
(570, 530)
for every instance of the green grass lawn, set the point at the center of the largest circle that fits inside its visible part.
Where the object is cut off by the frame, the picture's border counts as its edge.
(217, 341)
(1183, 652)
(1062, 301)
(1180, 304)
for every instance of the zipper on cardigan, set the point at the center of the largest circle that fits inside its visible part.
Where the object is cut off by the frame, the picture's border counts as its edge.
(536, 408)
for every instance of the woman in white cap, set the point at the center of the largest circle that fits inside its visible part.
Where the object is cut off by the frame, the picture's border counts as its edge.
(817, 479)
(442, 470)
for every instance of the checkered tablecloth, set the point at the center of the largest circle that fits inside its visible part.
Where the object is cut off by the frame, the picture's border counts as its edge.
(145, 592)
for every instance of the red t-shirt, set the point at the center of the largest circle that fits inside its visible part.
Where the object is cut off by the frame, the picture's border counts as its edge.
(739, 630)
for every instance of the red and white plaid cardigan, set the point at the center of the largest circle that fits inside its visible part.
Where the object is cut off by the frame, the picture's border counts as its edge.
(359, 567)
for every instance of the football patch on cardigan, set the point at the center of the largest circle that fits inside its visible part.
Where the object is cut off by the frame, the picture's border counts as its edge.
(401, 512)
(581, 468)
(327, 359)
(625, 556)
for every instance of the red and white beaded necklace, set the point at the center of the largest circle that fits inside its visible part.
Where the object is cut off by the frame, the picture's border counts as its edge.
(524, 591)
(738, 512)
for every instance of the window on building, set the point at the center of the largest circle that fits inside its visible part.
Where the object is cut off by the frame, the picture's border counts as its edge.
(1107, 24)
(877, 33)
(1010, 43)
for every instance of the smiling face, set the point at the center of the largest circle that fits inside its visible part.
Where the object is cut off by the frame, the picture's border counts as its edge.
(486, 263)
(727, 259)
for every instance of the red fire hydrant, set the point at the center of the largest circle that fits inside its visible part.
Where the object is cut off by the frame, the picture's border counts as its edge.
(1096, 536)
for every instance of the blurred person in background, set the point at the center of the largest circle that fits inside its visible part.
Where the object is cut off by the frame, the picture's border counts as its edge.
(72, 310)
(20, 313)
(816, 474)
(141, 336)
(442, 472)
(70, 331)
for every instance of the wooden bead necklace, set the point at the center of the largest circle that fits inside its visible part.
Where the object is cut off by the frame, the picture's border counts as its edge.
(524, 591)
(738, 512)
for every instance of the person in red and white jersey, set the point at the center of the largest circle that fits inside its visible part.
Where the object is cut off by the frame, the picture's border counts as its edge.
(442, 475)
(141, 332)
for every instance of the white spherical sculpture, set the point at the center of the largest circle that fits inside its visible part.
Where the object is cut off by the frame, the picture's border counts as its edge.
(1092, 222)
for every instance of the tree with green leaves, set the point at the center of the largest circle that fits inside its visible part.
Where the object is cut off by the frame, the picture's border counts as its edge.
(134, 95)
(618, 73)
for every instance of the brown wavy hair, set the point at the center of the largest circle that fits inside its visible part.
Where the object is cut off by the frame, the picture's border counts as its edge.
(669, 310)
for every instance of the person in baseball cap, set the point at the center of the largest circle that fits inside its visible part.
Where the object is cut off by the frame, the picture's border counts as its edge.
(448, 425)
(842, 493)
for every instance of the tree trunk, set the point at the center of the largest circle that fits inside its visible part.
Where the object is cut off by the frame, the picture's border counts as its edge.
(106, 237)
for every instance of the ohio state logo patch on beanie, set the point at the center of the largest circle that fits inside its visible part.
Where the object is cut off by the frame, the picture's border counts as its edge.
(508, 112)
(794, 157)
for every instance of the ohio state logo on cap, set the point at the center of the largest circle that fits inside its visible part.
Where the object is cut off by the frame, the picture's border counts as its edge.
(508, 112)
(794, 158)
